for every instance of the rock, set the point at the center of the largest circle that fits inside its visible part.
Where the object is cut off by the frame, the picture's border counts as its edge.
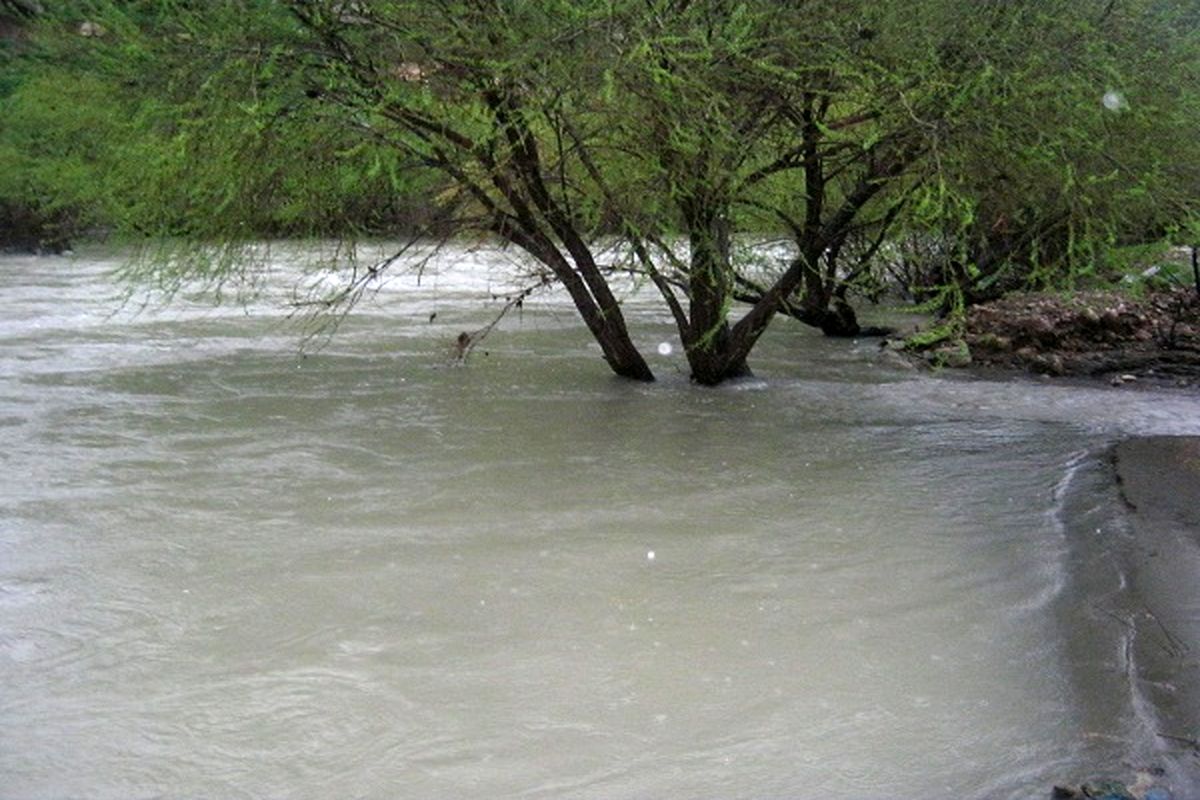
(1111, 790)
(1145, 786)
(1107, 790)
(1111, 320)
(1041, 330)
(894, 358)
(955, 356)
(1048, 364)
(991, 343)
(409, 72)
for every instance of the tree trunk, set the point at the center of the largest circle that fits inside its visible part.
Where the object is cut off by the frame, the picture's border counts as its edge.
(839, 319)
(584, 281)
(608, 329)
(822, 305)
(710, 348)
(717, 360)
(621, 354)
(1196, 267)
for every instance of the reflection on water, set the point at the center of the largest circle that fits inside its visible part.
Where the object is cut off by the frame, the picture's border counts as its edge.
(229, 570)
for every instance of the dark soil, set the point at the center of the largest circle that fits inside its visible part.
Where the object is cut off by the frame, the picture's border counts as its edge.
(1104, 335)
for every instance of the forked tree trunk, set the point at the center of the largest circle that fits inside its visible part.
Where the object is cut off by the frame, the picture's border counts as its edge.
(581, 276)
(711, 352)
(605, 322)
(718, 360)
(621, 354)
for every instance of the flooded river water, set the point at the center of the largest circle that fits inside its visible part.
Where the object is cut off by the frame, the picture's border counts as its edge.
(228, 569)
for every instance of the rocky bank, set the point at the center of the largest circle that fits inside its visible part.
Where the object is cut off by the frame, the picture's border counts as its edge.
(1122, 338)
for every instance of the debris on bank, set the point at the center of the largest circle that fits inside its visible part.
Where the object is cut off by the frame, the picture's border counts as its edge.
(1120, 338)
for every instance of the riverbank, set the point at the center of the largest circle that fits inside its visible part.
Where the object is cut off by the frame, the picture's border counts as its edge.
(1146, 585)
(1159, 479)
(1121, 338)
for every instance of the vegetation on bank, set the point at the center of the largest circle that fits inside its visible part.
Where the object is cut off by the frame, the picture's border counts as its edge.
(955, 155)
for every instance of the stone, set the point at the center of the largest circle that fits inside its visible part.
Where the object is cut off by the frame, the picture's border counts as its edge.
(1111, 320)
(1107, 790)
(894, 358)
(955, 356)
(1049, 364)
(1042, 330)
(992, 343)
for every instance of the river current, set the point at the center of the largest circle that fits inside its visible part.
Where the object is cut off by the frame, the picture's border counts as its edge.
(235, 565)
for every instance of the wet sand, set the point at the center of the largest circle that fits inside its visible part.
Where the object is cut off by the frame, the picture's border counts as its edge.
(1159, 479)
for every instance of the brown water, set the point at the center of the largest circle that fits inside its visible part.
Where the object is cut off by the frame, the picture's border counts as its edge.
(227, 570)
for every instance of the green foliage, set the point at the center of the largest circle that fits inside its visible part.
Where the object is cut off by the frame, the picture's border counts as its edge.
(1078, 147)
(210, 111)
(179, 123)
(942, 333)
(1029, 142)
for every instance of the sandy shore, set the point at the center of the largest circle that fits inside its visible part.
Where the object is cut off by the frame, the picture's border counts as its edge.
(1159, 479)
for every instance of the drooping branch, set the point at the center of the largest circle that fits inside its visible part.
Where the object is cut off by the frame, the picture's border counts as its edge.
(467, 341)
(636, 239)
(883, 168)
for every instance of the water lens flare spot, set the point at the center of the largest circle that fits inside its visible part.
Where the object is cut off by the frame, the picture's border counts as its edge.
(665, 349)
(650, 555)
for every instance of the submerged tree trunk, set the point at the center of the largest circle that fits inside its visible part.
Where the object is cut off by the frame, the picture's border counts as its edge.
(823, 303)
(539, 224)
(710, 349)
(840, 320)
(602, 314)
(621, 354)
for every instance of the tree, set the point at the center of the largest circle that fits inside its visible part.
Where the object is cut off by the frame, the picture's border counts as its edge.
(683, 127)
(23, 224)
(460, 89)
(1081, 149)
